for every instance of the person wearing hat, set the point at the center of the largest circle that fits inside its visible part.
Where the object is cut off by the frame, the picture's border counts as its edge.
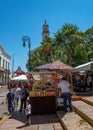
(65, 87)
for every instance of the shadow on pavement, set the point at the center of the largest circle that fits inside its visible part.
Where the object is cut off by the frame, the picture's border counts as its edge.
(18, 116)
(44, 119)
(36, 119)
(20, 127)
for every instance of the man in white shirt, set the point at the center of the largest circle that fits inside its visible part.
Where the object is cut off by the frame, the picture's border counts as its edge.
(17, 94)
(65, 88)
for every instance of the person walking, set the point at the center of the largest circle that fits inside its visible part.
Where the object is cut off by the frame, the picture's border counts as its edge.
(28, 112)
(17, 95)
(65, 87)
(10, 101)
(23, 98)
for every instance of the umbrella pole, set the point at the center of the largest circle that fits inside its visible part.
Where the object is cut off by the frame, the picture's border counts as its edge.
(71, 83)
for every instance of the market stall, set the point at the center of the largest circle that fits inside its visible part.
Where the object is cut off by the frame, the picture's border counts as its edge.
(60, 68)
(43, 94)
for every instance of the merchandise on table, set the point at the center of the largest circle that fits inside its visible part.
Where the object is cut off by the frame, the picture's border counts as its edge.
(49, 91)
(43, 85)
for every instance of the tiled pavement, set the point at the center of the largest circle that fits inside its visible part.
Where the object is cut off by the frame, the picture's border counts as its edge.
(3, 110)
(46, 122)
(3, 105)
(39, 122)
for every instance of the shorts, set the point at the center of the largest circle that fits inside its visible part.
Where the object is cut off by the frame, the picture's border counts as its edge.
(28, 117)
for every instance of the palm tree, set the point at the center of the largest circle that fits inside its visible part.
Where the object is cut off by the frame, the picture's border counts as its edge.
(89, 35)
(68, 37)
(68, 45)
(48, 49)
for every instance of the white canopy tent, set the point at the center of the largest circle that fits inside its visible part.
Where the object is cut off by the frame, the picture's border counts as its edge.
(85, 67)
(20, 78)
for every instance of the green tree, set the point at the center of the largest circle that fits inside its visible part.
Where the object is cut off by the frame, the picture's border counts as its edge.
(89, 36)
(69, 45)
(89, 42)
(68, 38)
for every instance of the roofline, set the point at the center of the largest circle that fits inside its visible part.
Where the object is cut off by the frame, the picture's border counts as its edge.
(83, 64)
(4, 51)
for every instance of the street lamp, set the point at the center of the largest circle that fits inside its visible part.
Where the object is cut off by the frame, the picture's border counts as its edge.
(27, 39)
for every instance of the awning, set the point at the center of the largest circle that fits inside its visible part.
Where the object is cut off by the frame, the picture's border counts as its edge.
(20, 78)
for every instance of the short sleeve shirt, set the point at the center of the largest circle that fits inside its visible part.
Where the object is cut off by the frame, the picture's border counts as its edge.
(64, 86)
(23, 93)
(17, 92)
(28, 109)
(10, 97)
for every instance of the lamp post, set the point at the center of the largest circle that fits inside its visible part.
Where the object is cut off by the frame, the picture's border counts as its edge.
(27, 39)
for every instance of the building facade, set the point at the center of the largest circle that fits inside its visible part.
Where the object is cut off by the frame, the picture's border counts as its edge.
(4, 66)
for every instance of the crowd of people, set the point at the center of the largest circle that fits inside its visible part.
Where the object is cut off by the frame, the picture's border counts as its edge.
(20, 92)
(83, 82)
(18, 99)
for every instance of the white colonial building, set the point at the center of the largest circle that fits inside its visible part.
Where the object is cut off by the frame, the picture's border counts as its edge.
(4, 66)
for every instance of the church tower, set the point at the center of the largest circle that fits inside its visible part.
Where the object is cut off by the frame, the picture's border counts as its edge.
(45, 32)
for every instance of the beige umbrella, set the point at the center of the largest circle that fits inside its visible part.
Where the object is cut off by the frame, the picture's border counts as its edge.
(57, 65)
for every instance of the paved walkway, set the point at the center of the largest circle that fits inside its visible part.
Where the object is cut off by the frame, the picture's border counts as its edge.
(3, 110)
(3, 105)
(39, 122)
(50, 122)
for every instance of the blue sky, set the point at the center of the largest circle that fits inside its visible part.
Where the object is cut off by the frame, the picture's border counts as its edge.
(20, 18)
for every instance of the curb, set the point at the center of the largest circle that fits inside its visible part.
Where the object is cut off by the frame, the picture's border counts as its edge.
(87, 101)
(84, 116)
(61, 122)
(3, 119)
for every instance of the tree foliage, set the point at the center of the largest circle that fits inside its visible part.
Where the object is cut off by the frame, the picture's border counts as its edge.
(69, 45)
